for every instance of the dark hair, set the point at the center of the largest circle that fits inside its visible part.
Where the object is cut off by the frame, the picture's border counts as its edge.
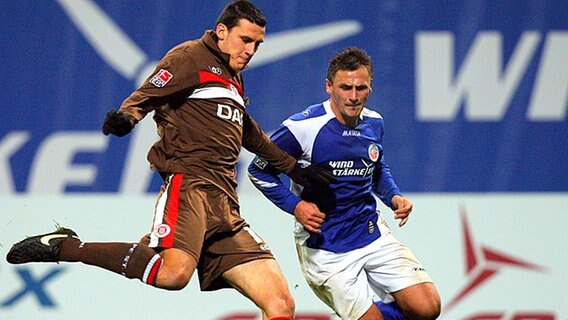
(241, 9)
(349, 59)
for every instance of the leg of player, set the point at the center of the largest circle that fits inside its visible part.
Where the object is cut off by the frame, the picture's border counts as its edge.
(373, 314)
(176, 270)
(389, 311)
(170, 270)
(383, 311)
(420, 301)
(263, 282)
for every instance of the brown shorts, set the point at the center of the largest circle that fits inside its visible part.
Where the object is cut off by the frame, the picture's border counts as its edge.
(199, 218)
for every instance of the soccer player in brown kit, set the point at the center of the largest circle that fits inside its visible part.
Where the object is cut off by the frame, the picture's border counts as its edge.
(196, 92)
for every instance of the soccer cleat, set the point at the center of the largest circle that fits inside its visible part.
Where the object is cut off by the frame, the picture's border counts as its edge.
(42, 248)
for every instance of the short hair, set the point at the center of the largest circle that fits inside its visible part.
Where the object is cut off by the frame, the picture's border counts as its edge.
(349, 59)
(241, 9)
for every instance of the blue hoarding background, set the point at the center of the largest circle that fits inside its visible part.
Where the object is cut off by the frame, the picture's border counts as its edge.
(474, 93)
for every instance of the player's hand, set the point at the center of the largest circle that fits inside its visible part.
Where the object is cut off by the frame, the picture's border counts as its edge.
(309, 215)
(311, 175)
(117, 123)
(402, 208)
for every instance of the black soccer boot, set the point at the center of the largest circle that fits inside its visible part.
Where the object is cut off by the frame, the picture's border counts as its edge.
(42, 248)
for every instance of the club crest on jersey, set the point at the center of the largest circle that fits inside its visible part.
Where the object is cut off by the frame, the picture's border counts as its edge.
(162, 230)
(161, 78)
(374, 152)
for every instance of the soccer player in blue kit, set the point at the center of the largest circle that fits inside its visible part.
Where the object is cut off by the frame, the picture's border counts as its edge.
(345, 248)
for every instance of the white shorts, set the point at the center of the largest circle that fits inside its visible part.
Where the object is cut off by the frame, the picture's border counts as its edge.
(350, 282)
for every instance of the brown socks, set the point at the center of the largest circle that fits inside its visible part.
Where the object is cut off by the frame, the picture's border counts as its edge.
(129, 259)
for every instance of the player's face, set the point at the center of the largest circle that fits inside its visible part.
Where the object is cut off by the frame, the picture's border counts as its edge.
(349, 92)
(241, 42)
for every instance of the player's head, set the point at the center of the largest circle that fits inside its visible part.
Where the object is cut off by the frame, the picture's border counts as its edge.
(240, 30)
(349, 59)
(348, 83)
(241, 9)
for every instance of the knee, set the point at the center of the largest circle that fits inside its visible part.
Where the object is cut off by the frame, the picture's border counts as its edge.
(289, 305)
(431, 313)
(173, 279)
(429, 310)
(434, 308)
(176, 269)
(282, 306)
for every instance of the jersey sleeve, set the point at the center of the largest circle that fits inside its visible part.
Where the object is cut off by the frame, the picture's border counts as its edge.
(173, 78)
(257, 142)
(268, 180)
(384, 185)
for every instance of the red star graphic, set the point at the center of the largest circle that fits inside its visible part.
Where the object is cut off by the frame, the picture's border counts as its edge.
(481, 267)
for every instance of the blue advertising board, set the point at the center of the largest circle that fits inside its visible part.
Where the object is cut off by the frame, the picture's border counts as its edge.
(474, 94)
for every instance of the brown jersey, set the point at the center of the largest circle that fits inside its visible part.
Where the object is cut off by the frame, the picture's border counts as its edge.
(201, 115)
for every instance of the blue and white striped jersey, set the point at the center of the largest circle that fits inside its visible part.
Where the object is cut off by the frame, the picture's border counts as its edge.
(355, 156)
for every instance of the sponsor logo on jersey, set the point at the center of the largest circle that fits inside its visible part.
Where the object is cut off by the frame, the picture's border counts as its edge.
(346, 168)
(229, 113)
(161, 78)
(351, 133)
